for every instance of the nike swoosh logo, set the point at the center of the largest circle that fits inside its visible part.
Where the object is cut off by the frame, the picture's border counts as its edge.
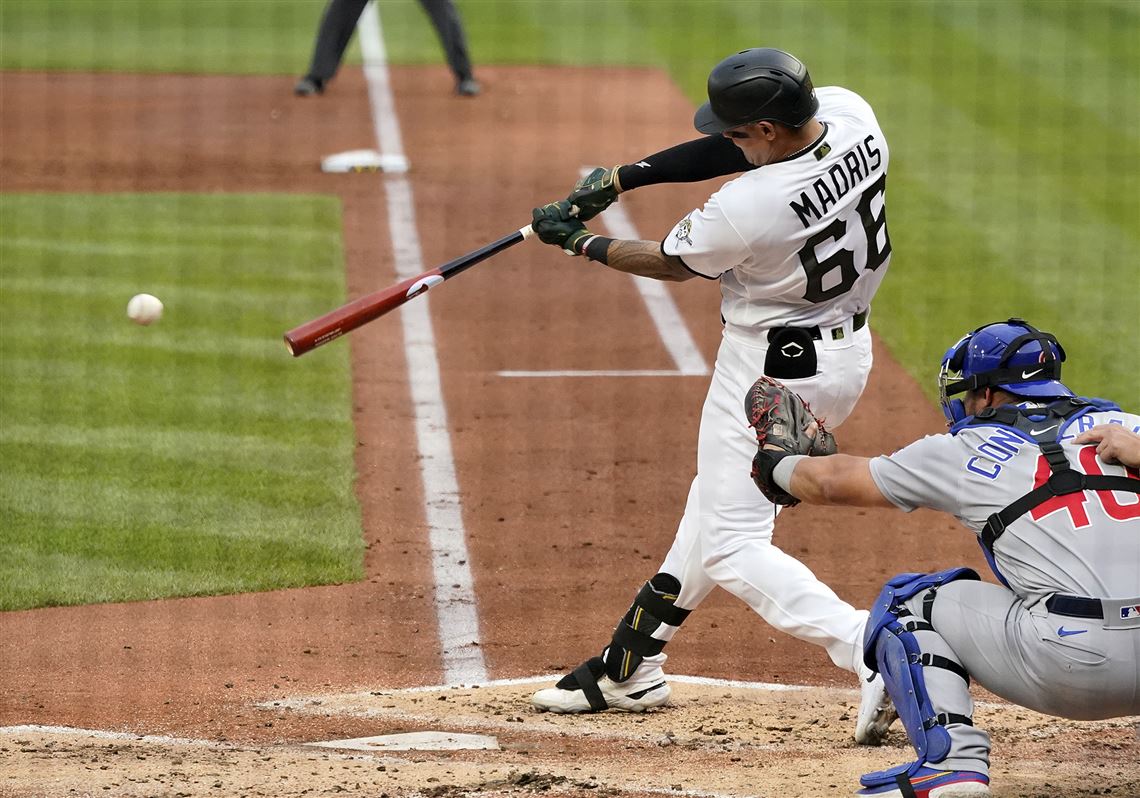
(1042, 430)
(1027, 374)
(1063, 632)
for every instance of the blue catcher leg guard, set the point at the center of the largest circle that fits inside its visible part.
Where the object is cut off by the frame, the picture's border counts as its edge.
(891, 648)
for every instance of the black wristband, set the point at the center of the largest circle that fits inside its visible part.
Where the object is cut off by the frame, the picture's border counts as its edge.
(763, 464)
(597, 248)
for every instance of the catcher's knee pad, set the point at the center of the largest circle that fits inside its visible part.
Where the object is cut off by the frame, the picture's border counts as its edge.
(891, 648)
(633, 640)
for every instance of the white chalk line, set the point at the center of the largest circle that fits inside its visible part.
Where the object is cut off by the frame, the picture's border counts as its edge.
(456, 618)
(707, 681)
(363, 704)
(596, 373)
(99, 734)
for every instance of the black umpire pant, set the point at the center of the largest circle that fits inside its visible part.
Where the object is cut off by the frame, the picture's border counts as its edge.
(339, 21)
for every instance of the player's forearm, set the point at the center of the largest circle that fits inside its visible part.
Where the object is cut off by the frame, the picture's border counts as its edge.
(645, 258)
(699, 159)
(836, 479)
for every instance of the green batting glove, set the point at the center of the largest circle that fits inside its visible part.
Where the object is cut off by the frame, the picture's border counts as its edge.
(553, 224)
(595, 192)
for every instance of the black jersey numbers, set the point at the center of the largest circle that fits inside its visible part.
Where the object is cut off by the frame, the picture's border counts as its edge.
(839, 271)
(817, 271)
(873, 225)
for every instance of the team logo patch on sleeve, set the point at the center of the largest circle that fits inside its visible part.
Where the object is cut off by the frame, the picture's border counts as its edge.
(684, 229)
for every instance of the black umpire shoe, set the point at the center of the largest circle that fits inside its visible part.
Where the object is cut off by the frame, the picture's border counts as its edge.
(468, 87)
(308, 85)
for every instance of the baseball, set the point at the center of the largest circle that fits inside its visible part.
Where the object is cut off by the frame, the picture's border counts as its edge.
(144, 309)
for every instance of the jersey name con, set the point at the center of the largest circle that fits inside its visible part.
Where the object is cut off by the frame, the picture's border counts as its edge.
(802, 241)
(1084, 544)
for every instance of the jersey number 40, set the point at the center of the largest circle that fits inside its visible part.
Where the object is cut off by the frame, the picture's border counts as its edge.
(844, 259)
(1075, 502)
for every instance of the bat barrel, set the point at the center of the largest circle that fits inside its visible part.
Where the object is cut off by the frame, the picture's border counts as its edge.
(348, 317)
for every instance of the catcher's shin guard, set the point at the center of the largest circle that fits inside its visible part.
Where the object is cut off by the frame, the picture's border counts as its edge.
(897, 655)
(633, 640)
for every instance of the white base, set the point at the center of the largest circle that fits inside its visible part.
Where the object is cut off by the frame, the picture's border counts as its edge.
(364, 161)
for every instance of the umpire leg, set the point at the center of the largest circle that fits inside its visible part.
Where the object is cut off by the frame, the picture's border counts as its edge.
(445, 18)
(337, 24)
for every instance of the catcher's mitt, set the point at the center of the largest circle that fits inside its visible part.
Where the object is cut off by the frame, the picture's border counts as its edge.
(784, 425)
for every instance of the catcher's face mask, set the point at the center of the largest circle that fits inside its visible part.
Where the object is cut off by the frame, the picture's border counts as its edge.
(953, 409)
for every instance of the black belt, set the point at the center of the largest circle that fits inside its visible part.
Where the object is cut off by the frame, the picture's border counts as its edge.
(858, 322)
(1075, 606)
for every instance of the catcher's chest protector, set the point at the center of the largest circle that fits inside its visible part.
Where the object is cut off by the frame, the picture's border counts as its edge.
(1043, 426)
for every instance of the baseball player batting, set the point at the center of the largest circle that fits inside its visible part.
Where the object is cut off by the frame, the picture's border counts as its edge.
(799, 244)
(1060, 525)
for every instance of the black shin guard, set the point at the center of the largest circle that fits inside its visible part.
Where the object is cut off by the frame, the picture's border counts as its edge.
(633, 639)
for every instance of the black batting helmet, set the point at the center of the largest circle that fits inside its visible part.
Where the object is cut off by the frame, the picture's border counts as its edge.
(757, 85)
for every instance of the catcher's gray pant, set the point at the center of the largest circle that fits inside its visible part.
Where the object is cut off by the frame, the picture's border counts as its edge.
(1056, 664)
(725, 536)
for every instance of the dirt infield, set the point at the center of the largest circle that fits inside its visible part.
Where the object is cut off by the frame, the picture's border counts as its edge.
(571, 489)
(714, 741)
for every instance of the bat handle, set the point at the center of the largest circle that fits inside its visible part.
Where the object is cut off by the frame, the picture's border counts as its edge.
(528, 231)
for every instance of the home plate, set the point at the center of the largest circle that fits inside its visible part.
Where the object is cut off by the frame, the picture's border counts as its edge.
(364, 161)
(416, 741)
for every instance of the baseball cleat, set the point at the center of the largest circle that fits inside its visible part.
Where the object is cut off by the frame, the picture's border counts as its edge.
(308, 86)
(929, 783)
(637, 694)
(468, 87)
(876, 712)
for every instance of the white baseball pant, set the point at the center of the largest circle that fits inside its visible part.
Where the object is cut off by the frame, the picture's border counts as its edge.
(725, 535)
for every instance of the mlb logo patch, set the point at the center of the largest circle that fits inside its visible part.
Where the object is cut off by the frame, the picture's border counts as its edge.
(1129, 612)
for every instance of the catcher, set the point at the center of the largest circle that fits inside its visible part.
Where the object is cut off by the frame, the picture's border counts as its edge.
(1033, 470)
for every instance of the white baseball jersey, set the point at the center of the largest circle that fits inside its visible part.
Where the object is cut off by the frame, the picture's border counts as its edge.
(1083, 544)
(802, 241)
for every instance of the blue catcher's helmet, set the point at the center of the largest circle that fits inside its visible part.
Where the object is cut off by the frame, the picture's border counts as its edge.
(1011, 355)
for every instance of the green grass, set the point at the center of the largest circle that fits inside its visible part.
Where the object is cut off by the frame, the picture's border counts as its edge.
(1014, 126)
(188, 36)
(190, 457)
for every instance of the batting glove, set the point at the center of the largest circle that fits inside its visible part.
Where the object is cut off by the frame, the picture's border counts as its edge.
(595, 192)
(553, 224)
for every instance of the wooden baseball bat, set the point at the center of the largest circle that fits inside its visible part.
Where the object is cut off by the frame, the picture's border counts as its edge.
(346, 318)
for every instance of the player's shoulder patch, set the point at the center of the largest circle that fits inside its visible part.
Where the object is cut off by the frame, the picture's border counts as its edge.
(684, 231)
